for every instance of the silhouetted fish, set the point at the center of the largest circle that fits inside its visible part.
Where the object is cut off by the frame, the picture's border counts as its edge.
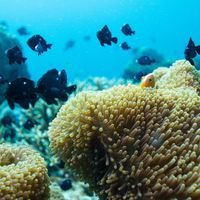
(125, 46)
(191, 51)
(21, 91)
(105, 37)
(53, 85)
(38, 43)
(69, 44)
(14, 55)
(145, 60)
(29, 124)
(23, 31)
(126, 30)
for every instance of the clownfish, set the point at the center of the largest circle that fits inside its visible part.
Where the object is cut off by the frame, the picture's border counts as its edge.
(148, 81)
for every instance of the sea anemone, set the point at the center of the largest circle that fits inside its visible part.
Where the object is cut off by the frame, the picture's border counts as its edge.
(133, 143)
(23, 174)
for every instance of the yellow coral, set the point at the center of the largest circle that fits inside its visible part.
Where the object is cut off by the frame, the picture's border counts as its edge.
(23, 175)
(130, 143)
(180, 74)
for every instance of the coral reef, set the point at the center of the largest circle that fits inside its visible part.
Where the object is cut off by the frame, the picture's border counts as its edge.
(133, 69)
(23, 174)
(98, 83)
(10, 72)
(132, 143)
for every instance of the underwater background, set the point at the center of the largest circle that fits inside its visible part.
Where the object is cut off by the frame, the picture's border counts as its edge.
(162, 25)
(83, 121)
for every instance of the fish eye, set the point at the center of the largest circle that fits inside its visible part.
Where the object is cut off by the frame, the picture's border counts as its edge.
(150, 80)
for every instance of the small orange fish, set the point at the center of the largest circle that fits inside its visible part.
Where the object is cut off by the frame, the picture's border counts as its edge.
(148, 81)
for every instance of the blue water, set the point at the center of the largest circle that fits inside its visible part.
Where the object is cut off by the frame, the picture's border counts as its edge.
(165, 25)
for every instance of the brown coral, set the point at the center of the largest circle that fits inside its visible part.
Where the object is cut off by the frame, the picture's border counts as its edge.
(132, 143)
(23, 174)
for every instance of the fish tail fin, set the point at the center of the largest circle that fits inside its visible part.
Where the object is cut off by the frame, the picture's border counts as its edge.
(24, 59)
(191, 61)
(49, 46)
(71, 89)
(114, 39)
(197, 48)
(133, 32)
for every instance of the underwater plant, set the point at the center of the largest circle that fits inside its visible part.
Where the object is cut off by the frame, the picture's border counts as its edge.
(134, 143)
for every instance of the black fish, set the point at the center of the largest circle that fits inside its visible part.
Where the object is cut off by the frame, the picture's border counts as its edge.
(15, 55)
(70, 44)
(105, 37)
(66, 184)
(37, 43)
(125, 46)
(21, 91)
(53, 85)
(23, 31)
(191, 51)
(145, 60)
(29, 124)
(126, 30)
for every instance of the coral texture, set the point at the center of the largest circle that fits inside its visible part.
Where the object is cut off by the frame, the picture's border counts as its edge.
(23, 174)
(132, 143)
(180, 75)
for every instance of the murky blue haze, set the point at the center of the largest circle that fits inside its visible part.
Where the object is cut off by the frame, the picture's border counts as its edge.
(164, 25)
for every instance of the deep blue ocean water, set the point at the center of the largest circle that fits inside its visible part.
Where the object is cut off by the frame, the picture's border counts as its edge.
(165, 25)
